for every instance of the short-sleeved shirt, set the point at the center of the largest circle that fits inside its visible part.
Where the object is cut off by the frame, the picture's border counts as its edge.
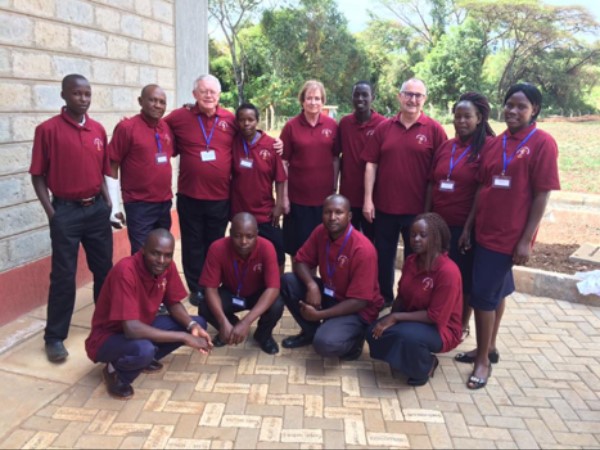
(351, 140)
(439, 292)
(310, 152)
(255, 274)
(143, 150)
(72, 157)
(209, 179)
(454, 206)
(355, 267)
(131, 292)
(252, 187)
(403, 157)
(502, 214)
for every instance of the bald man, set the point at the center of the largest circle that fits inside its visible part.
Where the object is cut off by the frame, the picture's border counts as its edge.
(242, 273)
(142, 147)
(126, 334)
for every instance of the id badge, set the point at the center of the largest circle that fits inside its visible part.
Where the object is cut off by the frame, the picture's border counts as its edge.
(161, 158)
(447, 185)
(501, 182)
(208, 155)
(329, 292)
(246, 163)
(239, 302)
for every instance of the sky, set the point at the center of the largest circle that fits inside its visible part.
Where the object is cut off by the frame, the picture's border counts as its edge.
(356, 10)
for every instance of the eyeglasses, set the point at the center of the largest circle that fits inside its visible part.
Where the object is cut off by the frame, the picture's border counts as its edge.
(207, 93)
(417, 96)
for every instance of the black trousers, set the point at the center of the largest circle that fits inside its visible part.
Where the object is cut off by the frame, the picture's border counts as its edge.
(361, 224)
(266, 323)
(298, 225)
(201, 223)
(71, 225)
(143, 217)
(388, 228)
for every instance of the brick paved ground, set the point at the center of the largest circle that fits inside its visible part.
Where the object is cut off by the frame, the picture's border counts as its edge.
(545, 392)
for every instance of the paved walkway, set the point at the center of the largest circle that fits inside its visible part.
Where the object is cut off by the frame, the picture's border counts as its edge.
(545, 392)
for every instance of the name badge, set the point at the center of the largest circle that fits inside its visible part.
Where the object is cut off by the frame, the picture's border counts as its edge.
(447, 185)
(208, 155)
(329, 292)
(501, 182)
(161, 158)
(239, 301)
(246, 163)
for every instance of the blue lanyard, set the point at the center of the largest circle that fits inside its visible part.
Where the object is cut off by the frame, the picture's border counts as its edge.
(330, 269)
(240, 280)
(454, 164)
(158, 143)
(246, 149)
(506, 161)
(208, 138)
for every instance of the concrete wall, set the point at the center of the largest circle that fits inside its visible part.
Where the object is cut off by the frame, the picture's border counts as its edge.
(119, 45)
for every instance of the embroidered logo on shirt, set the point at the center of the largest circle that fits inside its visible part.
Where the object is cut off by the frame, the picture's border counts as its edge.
(342, 261)
(166, 138)
(257, 267)
(98, 144)
(427, 283)
(523, 152)
(223, 125)
(326, 132)
(264, 154)
(163, 284)
(370, 132)
(421, 139)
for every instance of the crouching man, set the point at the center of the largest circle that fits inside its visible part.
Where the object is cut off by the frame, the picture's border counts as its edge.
(333, 311)
(126, 333)
(242, 273)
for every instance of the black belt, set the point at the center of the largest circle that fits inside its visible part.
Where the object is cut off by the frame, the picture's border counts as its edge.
(79, 202)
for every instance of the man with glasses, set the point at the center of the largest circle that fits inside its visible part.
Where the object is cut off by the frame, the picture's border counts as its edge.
(399, 157)
(203, 139)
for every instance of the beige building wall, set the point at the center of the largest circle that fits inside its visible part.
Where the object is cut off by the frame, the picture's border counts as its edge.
(119, 45)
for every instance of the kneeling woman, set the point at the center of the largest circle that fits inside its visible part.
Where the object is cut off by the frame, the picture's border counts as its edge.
(426, 315)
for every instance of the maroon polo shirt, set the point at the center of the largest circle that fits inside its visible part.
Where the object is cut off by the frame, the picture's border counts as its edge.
(203, 180)
(351, 140)
(454, 206)
(131, 292)
(404, 158)
(502, 213)
(439, 292)
(259, 272)
(355, 275)
(309, 151)
(73, 158)
(252, 187)
(143, 151)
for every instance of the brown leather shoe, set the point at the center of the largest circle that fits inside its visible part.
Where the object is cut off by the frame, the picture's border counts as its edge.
(153, 367)
(116, 388)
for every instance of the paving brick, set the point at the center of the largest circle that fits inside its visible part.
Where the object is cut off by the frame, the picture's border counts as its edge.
(313, 405)
(293, 417)
(439, 435)
(471, 443)
(342, 413)
(423, 415)
(420, 441)
(176, 443)
(270, 430)
(41, 439)
(285, 399)
(212, 414)
(158, 399)
(159, 436)
(584, 440)
(302, 435)
(246, 438)
(354, 432)
(240, 421)
(107, 442)
(186, 426)
(388, 440)
(128, 428)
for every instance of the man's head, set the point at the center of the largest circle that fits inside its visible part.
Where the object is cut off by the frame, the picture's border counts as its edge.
(336, 215)
(207, 91)
(362, 96)
(153, 101)
(77, 94)
(244, 234)
(412, 96)
(158, 251)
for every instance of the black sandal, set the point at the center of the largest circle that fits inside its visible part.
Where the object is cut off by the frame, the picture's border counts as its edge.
(474, 382)
(494, 357)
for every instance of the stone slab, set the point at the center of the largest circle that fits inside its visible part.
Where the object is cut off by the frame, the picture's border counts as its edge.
(25, 395)
(587, 253)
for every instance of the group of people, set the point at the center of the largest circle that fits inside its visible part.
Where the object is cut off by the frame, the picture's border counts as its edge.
(467, 208)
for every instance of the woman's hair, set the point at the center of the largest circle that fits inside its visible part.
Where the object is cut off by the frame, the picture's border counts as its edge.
(532, 93)
(438, 236)
(481, 104)
(249, 106)
(309, 86)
